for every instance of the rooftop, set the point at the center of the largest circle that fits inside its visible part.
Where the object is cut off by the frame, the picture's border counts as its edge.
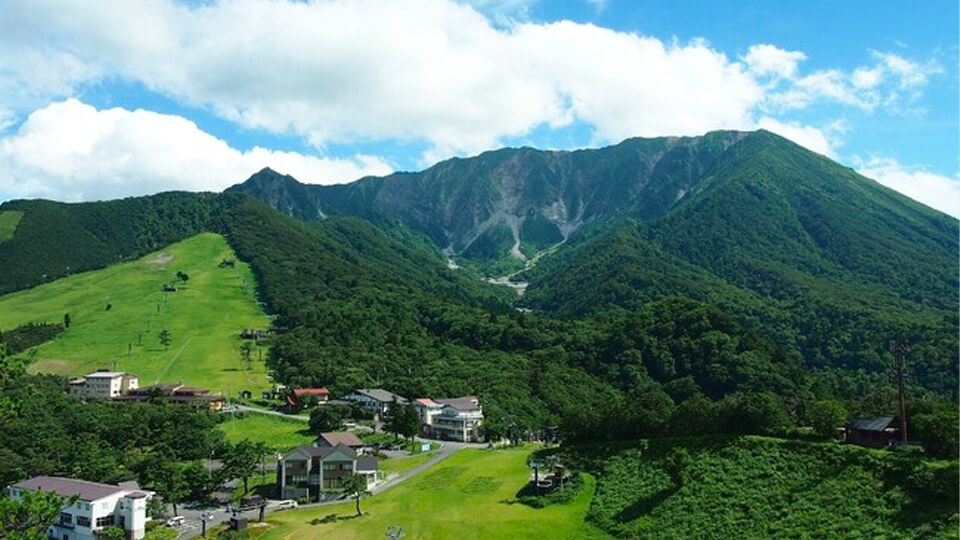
(108, 374)
(341, 437)
(465, 403)
(879, 423)
(381, 395)
(68, 487)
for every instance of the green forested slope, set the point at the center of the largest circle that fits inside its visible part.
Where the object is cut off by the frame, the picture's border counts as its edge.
(828, 263)
(757, 487)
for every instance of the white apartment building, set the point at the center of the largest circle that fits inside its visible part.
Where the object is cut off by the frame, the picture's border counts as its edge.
(455, 419)
(103, 385)
(98, 506)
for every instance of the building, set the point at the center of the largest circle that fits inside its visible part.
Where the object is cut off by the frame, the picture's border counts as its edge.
(177, 394)
(877, 432)
(375, 400)
(332, 439)
(322, 394)
(310, 471)
(98, 506)
(455, 419)
(103, 385)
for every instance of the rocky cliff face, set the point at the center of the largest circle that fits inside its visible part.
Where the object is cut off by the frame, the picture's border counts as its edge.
(513, 201)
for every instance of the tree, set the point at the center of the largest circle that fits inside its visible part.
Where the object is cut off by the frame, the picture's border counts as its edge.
(355, 486)
(66, 320)
(246, 350)
(112, 533)
(164, 337)
(170, 483)
(326, 418)
(408, 421)
(826, 416)
(182, 276)
(938, 432)
(393, 418)
(29, 517)
(241, 461)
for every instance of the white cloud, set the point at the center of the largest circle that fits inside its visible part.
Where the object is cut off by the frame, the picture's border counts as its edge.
(765, 59)
(338, 72)
(820, 140)
(866, 78)
(72, 151)
(934, 190)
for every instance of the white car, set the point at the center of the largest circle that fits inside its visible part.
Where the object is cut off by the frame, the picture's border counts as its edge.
(175, 521)
(288, 504)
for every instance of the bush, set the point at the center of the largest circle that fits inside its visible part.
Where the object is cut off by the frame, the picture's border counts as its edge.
(571, 488)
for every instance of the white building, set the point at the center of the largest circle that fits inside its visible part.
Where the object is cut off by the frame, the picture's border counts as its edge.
(98, 506)
(103, 385)
(375, 400)
(455, 419)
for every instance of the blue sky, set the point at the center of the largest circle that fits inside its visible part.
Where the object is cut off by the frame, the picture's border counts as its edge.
(106, 99)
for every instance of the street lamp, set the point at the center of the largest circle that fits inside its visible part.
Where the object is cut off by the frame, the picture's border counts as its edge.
(204, 516)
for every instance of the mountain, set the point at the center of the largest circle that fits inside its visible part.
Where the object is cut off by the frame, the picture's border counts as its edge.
(701, 267)
(829, 263)
(512, 201)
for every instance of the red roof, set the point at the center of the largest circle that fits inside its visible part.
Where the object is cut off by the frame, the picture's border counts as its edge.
(311, 391)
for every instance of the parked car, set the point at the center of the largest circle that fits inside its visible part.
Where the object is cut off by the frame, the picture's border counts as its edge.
(175, 521)
(287, 504)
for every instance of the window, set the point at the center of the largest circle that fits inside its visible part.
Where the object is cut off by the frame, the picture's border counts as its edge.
(83, 521)
(105, 521)
(66, 518)
(346, 466)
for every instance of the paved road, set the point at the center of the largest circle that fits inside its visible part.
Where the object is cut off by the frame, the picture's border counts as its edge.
(300, 417)
(192, 525)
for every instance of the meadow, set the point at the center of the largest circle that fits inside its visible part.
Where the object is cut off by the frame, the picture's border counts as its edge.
(471, 494)
(9, 219)
(118, 313)
(279, 434)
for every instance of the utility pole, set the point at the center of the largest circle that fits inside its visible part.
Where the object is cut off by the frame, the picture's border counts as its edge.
(899, 350)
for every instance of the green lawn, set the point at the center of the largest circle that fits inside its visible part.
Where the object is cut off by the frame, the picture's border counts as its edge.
(9, 219)
(399, 465)
(469, 495)
(279, 434)
(203, 318)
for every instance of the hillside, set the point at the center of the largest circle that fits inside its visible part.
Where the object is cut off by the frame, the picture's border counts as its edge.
(54, 239)
(758, 487)
(203, 317)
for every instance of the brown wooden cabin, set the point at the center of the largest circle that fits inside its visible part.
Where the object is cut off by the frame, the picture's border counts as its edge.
(878, 432)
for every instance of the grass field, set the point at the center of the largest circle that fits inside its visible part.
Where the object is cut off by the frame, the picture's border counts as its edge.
(277, 433)
(471, 494)
(399, 465)
(9, 219)
(203, 318)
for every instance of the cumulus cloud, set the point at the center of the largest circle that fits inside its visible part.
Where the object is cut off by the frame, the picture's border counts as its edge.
(934, 190)
(819, 139)
(338, 72)
(73, 151)
(766, 59)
